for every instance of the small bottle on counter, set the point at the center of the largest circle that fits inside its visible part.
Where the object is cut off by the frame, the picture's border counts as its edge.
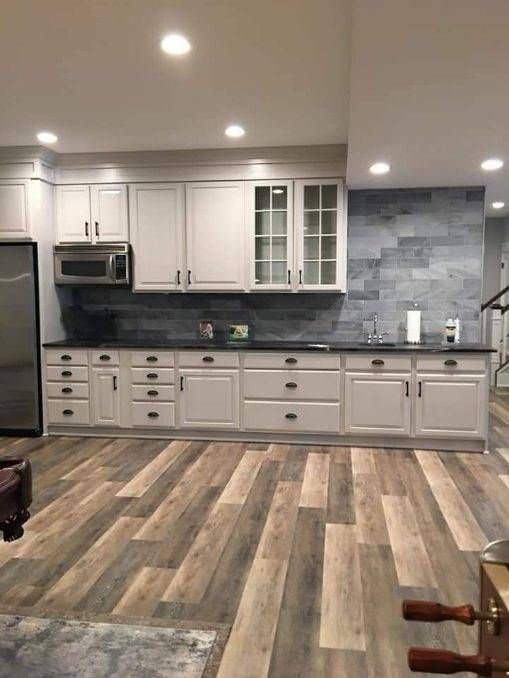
(457, 323)
(450, 331)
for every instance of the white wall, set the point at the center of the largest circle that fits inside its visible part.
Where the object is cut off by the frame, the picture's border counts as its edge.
(43, 209)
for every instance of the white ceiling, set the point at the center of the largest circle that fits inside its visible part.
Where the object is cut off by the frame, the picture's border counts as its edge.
(93, 72)
(430, 93)
(422, 85)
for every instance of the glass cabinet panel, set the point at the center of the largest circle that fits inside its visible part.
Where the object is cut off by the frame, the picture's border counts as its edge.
(271, 247)
(318, 232)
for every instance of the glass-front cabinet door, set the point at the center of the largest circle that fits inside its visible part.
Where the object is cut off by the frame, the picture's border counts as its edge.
(270, 215)
(320, 235)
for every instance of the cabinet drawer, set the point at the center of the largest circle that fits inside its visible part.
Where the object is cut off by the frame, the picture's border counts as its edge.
(72, 412)
(145, 375)
(379, 362)
(208, 359)
(451, 363)
(104, 358)
(291, 416)
(153, 392)
(67, 390)
(153, 415)
(66, 356)
(300, 385)
(300, 361)
(152, 359)
(67, 373)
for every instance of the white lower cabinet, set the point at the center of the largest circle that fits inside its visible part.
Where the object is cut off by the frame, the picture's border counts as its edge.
(153, 415)
(450, 406)
(105, 396)
(377, 404)
(209, 398)
(291, 416)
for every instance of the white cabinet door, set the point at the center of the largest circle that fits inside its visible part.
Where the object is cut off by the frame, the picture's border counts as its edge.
(450, 406)
(73, 214)
(320, 228)
(109, 213)
(209, 398)
(157, 226)
(269, 214)
(105, 400)
(377, 404)
(215, 235)
(14, 209)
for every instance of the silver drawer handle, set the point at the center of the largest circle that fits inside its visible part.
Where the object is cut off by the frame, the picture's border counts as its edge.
(291, 415)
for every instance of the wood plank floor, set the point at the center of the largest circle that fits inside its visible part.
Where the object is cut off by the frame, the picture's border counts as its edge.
(305, 552)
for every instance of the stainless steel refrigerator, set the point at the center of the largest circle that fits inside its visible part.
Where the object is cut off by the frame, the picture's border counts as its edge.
(20, 371)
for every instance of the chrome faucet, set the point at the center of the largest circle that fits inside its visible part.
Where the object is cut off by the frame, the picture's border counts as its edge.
(376, 338)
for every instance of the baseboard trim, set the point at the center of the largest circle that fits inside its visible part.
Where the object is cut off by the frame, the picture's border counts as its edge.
(394, 442)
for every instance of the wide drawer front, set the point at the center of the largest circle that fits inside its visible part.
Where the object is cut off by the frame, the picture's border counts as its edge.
(153, 415)
(102, 357)
(152, 359)
(378, 361)
(299, 385)
(301, 361)
(142, 375)
(208, 359)
(70, 373)
(67, 390)
(66, 356)
(451, 363)
(291, 416)
(153, 393)
(72, 412)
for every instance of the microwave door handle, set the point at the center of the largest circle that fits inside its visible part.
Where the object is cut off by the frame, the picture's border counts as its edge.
(113, 267)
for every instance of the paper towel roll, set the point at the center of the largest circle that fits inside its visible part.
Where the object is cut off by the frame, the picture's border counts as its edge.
(413, 327)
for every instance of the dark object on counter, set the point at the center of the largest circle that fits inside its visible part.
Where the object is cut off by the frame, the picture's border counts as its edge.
(493, 618)
(15, 496)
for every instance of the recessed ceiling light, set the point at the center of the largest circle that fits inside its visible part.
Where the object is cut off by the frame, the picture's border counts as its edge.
(235, 131)
(498, 205)
(175, 44)
(379, 168)
(492, 164)
(47, 137)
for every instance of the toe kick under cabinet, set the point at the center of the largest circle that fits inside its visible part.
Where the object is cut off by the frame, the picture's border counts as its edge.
(376, 398)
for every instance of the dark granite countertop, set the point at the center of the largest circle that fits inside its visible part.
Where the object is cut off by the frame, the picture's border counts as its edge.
(182, 344)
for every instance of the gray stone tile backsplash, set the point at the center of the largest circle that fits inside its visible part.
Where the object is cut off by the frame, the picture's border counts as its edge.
(404, 246)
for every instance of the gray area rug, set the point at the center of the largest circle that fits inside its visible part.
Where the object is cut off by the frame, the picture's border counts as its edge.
(46, 648)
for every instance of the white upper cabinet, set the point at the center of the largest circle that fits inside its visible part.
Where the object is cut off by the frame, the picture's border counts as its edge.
(320, 228)
(14, 209)
(92, 213)
(109, 212)
(215, 235)
(157, 228)
(269, 209)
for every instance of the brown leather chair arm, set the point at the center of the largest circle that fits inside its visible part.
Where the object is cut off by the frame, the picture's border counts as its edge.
(23, 469)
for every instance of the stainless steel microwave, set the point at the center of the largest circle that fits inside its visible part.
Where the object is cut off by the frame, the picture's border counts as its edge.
(92, 264)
